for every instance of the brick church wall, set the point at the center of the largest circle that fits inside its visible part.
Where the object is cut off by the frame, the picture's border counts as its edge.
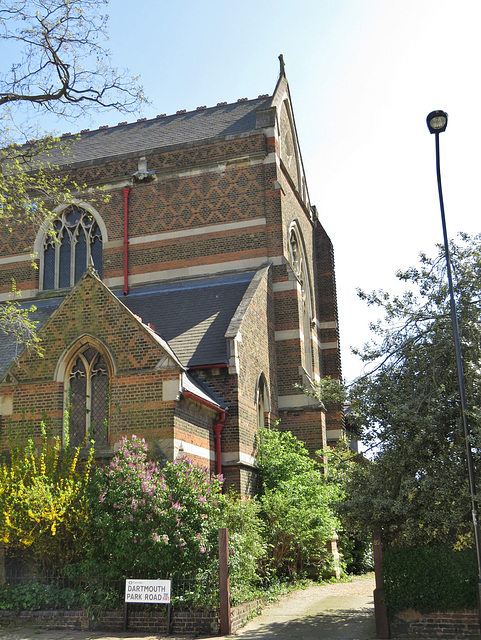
(255, 356)
(214, 206)
(136, 403)
(193, 425)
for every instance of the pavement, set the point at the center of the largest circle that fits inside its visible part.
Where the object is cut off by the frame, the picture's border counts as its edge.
(341, 611)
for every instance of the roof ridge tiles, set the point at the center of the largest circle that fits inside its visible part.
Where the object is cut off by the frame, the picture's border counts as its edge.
(164, 115)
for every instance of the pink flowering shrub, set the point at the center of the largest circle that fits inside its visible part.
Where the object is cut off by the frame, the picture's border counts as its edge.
(147, 521)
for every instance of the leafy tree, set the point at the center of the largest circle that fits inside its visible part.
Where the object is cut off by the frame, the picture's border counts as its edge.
(415, 488)
(296, 504)
(62, 68)
(54, 40)
(16, 321)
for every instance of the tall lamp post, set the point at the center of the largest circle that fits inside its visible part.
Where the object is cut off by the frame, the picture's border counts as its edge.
(437, 122)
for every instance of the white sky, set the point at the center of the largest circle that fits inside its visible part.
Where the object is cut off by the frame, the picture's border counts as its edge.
(363, 76)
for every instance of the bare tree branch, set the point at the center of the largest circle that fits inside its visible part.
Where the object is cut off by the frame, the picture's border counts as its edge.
(59, 65)
(64, 66)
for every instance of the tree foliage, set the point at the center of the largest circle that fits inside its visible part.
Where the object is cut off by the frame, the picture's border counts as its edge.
(296, 505)
(16, 321)
(416, 489)
(60, 66)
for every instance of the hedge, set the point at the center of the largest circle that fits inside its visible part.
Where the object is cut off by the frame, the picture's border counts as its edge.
(429, 579)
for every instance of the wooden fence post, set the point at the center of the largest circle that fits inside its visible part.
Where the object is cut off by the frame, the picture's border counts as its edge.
(224, 586)
(380, 610)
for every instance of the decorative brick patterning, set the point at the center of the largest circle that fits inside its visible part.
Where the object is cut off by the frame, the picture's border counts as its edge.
(197, 212)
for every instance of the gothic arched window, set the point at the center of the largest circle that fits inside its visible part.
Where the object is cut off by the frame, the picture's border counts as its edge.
(299, 267)
(88, 397)
(76, 240)
(262, 401)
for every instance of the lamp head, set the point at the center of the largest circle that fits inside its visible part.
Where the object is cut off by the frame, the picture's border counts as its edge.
(437, 121)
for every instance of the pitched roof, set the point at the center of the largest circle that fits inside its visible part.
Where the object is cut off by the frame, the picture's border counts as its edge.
(222, 121)
(9, 348)
(201, 390)
(192, 315)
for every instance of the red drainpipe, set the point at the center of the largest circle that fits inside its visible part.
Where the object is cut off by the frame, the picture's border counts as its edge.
(217, 431)
(217, 428)
(126, 191)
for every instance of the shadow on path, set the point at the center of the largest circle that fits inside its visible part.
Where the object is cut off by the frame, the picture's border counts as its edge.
(339, 625)
(340, 611)
(331, 618)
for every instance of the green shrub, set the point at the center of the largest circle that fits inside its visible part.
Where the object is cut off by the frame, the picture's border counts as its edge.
(43, 501)
(247, 549)
(296, 505)
(429, 579)
(36, 596)
(356, 550)
(33, 596)
(150, 522)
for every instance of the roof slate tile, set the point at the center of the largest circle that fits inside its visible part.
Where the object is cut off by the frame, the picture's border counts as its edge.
(179, 129)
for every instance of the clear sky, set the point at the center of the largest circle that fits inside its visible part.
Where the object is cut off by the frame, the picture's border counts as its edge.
(363, 76)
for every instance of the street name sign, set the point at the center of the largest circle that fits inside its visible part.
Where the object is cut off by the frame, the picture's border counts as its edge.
(147, 591)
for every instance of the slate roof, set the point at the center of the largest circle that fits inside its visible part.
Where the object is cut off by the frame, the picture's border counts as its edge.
(8, 347)
(192, 315)
(149, 135)
(200, 389)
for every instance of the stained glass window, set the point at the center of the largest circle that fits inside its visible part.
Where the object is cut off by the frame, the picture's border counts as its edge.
(75, 242)
(88, 397)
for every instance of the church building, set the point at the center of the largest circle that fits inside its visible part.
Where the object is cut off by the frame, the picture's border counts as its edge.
(186, 300)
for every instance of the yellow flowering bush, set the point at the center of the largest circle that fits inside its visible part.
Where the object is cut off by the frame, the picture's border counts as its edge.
(43, 502)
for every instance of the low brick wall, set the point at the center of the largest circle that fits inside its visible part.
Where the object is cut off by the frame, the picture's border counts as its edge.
(183, 622)
(243, 613)
(456, 624)
(77, 620)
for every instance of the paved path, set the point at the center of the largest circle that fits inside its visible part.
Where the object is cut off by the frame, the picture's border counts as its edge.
(330, 612)
(336, 611)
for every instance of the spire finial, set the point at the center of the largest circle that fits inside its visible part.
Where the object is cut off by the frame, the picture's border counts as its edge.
(282, 66)
(91, 267)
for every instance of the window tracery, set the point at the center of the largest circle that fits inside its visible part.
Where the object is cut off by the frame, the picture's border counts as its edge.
(75, 243)
(299, 267)
(88, 397)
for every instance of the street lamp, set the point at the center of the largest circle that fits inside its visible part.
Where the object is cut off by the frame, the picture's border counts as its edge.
(437, 122)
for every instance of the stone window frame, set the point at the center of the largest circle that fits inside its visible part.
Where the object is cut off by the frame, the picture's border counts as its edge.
(263, 405)
(63, 374)
(42, 240)
(298, 262)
